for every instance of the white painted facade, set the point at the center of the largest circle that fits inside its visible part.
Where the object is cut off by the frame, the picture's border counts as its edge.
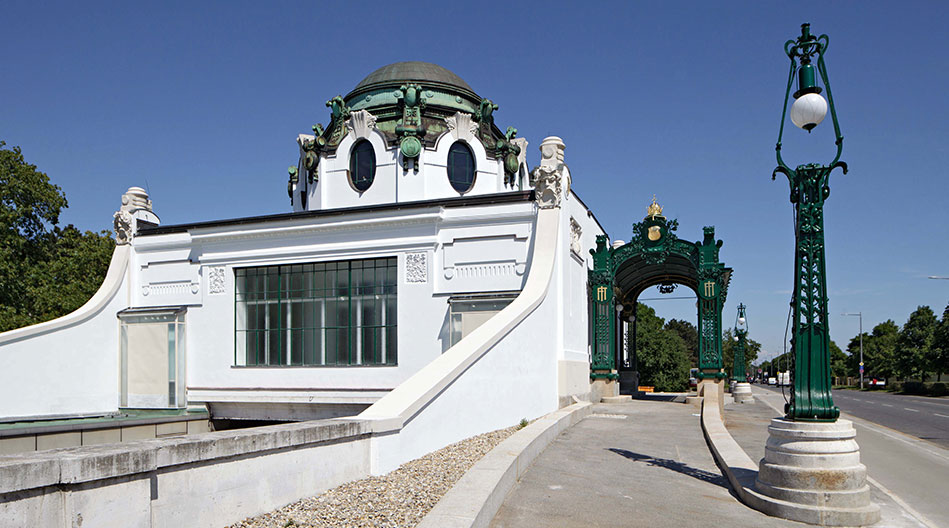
(483, 243)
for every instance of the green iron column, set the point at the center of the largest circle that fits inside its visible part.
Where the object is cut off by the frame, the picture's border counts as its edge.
(738, 365)
(604, 314)
(711, 284)
(809, 183)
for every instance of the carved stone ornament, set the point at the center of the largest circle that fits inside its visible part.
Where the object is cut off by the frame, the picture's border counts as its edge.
(135, 199)
(551, 179)
(360, 123)
(216, 282)
(575, 232)
(462, 126)
(416, 267)
(122, 222)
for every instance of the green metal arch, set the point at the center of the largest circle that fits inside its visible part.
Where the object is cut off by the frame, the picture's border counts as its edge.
(655, 255)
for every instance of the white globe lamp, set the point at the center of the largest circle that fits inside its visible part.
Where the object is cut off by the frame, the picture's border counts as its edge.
(808, 111)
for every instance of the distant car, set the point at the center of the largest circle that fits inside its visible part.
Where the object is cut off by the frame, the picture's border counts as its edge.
(772, 381)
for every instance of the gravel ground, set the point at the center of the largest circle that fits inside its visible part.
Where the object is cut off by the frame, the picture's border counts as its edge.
(396, 500)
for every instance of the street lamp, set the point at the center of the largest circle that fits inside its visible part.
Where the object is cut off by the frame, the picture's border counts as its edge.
(860, 315)
(742, 390)
(810, 470)
(938, 277)
(741, 331)
(810, 396)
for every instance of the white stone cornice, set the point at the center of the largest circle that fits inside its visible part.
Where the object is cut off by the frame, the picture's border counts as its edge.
(303, 254)
(311, 229)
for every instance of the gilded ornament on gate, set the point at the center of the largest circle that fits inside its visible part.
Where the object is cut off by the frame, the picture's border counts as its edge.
(654, 233)
(654, 208)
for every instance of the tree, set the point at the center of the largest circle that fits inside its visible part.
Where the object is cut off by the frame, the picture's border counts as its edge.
(915, 343)
(663, 358)
(689, 335)
(45, 271)
(752, 348)
(838, 361)
(940, 355)
(879, 351)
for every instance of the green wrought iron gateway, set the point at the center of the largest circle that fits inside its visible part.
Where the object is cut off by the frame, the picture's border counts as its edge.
(655, 256)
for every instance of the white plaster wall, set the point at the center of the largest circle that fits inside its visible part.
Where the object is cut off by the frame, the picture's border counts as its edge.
(335, 191)
(573, 315)
(516, 379)
(62, 367)
(392, 183)
(422, 306)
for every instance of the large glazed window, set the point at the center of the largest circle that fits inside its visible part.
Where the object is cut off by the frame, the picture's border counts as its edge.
(152, 358)
(362, 165)
(328, 313)
(461, 167)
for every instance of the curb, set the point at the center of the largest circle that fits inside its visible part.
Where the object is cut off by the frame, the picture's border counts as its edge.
(477, 496)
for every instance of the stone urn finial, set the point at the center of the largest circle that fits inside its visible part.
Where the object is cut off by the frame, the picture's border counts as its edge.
(135, 205)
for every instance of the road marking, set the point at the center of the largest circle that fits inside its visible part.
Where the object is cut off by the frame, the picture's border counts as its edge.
(607, 415)
(886, 404)
(943, 415)
(910, 410)
(909, 509)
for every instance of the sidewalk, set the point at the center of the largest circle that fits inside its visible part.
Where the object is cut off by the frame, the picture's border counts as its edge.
(633, 464)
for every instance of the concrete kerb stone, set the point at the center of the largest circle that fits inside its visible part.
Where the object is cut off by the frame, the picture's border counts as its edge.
(476, 498)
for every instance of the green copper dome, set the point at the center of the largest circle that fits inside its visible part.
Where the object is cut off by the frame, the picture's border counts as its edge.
(414, 71)
(440, 88)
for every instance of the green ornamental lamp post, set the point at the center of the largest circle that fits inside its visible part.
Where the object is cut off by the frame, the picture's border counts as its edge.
(810, 398)
(811, 470)
(741, 332)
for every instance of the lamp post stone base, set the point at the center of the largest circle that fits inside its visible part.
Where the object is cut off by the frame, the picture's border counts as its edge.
(811, 472)
(742, 393)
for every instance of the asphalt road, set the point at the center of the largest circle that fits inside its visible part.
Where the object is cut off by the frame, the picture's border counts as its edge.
(925, 418)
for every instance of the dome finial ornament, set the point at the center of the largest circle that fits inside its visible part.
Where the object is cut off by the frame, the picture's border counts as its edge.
(654, 210)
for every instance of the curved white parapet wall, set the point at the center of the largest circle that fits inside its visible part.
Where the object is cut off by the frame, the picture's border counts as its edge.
(502, 372)
(63, 367)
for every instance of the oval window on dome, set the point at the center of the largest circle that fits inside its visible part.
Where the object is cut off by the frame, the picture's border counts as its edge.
(362, 165)
(461, 167)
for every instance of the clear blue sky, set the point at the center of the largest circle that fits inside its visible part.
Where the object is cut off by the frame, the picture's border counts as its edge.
(202, 101)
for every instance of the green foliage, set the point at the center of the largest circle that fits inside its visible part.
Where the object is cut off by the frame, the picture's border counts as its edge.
(879, 351)
(523, 423)
(690, 336)
(45, 271)
(915, 344)
(662, 354)
(939, 355)
(914, 387)
(938, 389)
(752, 348)
(838, 361)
